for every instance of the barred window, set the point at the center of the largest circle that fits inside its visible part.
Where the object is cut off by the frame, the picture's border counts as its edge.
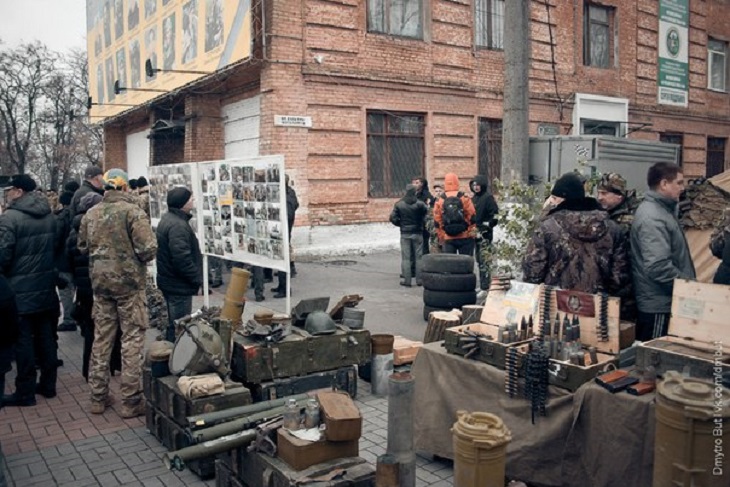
(490, 148)
(489, 23)
(715, 156)
(395, 152)
(396, 17)
(717, 64)
(597, 36)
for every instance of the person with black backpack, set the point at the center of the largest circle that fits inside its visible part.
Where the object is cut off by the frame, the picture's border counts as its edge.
(454, 215)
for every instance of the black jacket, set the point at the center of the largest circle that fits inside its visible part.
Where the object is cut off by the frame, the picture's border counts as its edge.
(86, 188)
(64, 218)
(179, 262)
(28, 250)
(78, 263)
(9, 312)
(486, 207)
(722, 276)
(409, 213)
(292, 204)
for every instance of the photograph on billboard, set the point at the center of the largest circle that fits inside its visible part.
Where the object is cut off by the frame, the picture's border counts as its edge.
(179, 35)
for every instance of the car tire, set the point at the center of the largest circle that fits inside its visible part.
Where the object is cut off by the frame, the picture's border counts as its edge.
(448, 282)
(447, 264)
(449, 299)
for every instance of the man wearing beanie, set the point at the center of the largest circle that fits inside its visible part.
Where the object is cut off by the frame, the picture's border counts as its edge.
(179, 261)
(576, 246)
(93, 182)
(28, 245)
(143, 193)
(118, 237)
(66, 288)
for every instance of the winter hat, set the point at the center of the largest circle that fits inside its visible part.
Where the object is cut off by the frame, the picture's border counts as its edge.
(614, 183)
(116, 179)
(65, 198)
(88, 201)
(71, 186)
(569, 186)
(177, 197)
(133, 184)
(24, 182)
(92, 172)
(142, 182)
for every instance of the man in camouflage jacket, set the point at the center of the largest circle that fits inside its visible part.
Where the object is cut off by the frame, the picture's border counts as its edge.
(576, 246)
(118, 237)
(621, 205)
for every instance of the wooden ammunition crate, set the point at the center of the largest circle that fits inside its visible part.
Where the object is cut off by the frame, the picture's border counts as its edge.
(173, 437)
(297, 354)
(501, 308)
(177, 407)
(343, 379)
(570, 376)
(699, 334)
(405, 351)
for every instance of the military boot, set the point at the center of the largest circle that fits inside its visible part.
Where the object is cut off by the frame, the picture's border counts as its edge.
(133, 410)
(98, 407)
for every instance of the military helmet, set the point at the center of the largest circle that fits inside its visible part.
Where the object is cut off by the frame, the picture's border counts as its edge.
(116, 179)
(319, 323)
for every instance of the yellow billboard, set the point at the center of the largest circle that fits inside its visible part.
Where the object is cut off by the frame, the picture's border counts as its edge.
(175, 36)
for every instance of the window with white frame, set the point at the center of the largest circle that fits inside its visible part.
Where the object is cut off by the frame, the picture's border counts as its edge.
(396, 17)
(489, 23)
(597, 36)
(716, 65)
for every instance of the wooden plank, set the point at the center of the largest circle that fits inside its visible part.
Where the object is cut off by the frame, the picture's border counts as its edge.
(700, 311)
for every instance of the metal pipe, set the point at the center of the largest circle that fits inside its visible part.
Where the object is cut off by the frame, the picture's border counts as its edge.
(216, 417)
(175, 460)
(224, 429)
(400, 427)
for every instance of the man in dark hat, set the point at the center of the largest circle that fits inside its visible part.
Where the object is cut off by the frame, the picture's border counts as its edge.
(28, 246)
(576, 246)
(66, 288)
(93, 181)
(179, 261)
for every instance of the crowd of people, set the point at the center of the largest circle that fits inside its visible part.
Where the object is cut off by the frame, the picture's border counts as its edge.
(88, 251)
(613, 244)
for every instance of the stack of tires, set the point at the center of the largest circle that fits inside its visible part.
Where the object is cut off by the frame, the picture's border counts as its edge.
(448, 282)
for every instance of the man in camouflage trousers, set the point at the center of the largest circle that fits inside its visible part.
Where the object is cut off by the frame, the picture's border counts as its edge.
(118, 237)
(621, 205)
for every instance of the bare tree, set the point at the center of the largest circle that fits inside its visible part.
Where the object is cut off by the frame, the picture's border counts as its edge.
(23, 73)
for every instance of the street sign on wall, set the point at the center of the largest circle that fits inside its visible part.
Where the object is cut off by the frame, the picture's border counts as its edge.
(673, 74)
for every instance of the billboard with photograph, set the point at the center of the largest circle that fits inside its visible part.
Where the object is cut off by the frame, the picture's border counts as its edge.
(179, 35)
(240, 207)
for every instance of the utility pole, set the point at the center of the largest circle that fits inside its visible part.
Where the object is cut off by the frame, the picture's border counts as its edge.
(515, 135)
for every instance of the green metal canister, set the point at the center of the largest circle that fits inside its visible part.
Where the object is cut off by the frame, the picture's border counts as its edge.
(689, 433)
(480, 444)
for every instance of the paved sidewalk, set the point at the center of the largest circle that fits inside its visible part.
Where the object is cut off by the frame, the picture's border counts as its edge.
(57, 442)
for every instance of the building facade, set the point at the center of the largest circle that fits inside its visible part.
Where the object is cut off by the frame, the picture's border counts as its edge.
(362, 96)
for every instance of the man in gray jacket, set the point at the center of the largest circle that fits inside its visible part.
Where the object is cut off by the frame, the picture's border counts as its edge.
(659, 251)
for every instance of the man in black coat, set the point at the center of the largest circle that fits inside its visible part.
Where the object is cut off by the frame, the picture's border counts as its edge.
(9, 331)
(28, 250)
(179, 261)
(485, 220)
(93, 182)
(409, 214)
(292, 204)
(66, 288)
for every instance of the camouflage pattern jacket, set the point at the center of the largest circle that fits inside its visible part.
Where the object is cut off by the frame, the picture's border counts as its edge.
(623, 214)
(119, 239)
(578, 247)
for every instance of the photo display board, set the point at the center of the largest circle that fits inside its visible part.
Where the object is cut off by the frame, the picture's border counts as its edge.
(240, 207)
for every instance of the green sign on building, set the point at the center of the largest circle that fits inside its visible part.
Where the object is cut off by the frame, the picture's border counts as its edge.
(673, 76)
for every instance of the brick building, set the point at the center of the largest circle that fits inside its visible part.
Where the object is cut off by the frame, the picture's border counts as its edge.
(397, 89)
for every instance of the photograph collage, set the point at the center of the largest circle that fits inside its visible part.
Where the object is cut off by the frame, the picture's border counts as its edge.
(164, 178)
(242, 211)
